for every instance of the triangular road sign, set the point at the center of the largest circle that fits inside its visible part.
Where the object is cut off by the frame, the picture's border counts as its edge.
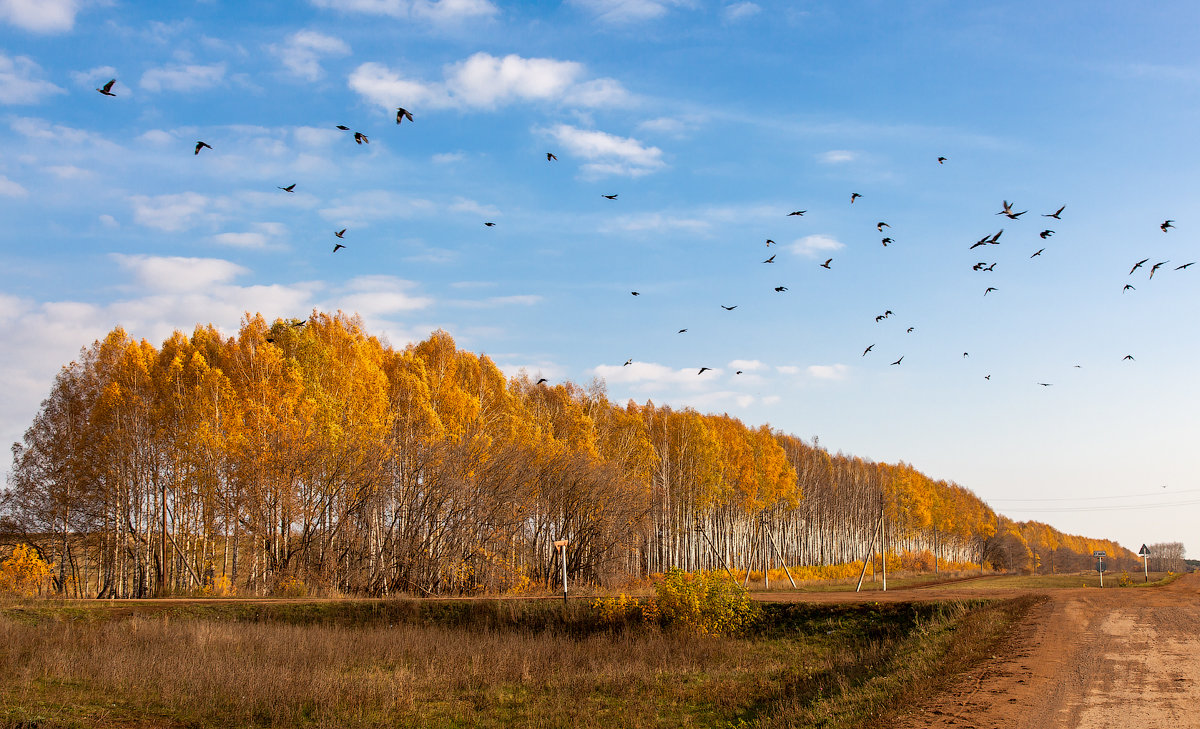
(1143, 550)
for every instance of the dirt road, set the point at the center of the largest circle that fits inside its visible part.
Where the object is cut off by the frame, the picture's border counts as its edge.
(1087, 659)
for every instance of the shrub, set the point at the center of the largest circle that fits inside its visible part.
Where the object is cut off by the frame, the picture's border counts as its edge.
(290, 587)
(704, 603)
(24, 573)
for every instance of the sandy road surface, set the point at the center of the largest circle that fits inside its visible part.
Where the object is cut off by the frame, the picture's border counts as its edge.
(1086, 659)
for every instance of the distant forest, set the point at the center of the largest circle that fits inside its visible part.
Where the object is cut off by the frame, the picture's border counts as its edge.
(307, 452)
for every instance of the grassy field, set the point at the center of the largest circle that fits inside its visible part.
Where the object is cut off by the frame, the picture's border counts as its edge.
(1051, 582)
(472, 663)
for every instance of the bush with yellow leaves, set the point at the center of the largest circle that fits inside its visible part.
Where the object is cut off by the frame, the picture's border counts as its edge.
(706, 603)
(24, 574)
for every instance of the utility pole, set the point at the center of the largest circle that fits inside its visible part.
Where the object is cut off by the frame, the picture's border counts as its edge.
(562, 550)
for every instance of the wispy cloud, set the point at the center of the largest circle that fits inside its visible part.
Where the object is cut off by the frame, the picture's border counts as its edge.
(40, 16)
(484, 81)
(302, 51)
(177, 273)
(740, 11)
(8, 188)
(828, 372)
(651, 377)
(19, 82)
(629, 11)
(171, 213)
(183, 78)
(837, 156)
(436, 11)
(608, 154)
(815, 245)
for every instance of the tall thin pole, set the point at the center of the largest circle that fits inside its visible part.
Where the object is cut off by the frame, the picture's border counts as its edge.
(869, 558)
(563, 552)
(883, 545)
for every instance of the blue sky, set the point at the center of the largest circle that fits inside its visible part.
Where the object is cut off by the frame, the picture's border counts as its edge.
(710, 121)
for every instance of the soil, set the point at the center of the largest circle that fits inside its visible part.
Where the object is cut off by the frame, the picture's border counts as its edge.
(1083, 659)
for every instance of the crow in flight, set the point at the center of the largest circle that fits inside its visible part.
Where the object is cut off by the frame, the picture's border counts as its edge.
(1155, 267)
(337, 247)
(770, 242)
(490, 224)
(797, 213)
(1128, 287)
(770, 260)
(868, 349)
(550, 157)
(341, 233)
(990, 288)
(881, 225)
(1180, 268)
(1045, 234)
(1128, 357)
(610, 197)
(1138, 265)
(106, 89)
(826, 263)
(540, 381)
(628, 362)
(343, 127)
(781, 289)
(635, 293)
(289, 188)
(981, 242)
(361, 138)
(899, 360)
(402, 114)
(703, 370)
(854, 196)
(909, 330)
(885, 241)
(200, 146)
(1166, 224)
(729, 308)
(1038, 253)
(681, 331)
(1045, 384)
(941, 160)
(1055, 214)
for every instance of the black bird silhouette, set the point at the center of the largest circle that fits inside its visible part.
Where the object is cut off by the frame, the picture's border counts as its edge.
(854, 196)
(681, 331)
(738, 372)
(995, 239)
(981, 242)
(1180, 268)
(899, 360)
(729, 308)
(1055, 214)
(1166, 224)
(868, 349)
(987, 377)
(885, 241)
(343, 127)
(1038, 253)
(106, 89)
(826, 263)
(991, 267)
(703, 370)
(490, 224)
(540, 381)
(1045, 234)
(361, 138)
(770, 242)
(978, 266)
(796, 212)
(628, 362)
(550, 156)
(341, 233)
(889, 312)
(966, 354)
(1045, 384)
(781, 289)
(1155, 267)
(337, 247)
(1128, 287)
(880, 318)
(771, 259)
(1128, 357)
(200, 146)
(610, 197)
(909, 330)
(1138, 265)
(289, 188)
(636, 293)
(941, 160)
(990, 288)
(881, 225)
(402, 114)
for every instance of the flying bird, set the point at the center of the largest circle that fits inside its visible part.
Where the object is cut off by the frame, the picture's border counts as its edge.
(1128, 287)
(880, 318)
(343, 127)
(1166, 224)
(995, 239)
(681, 331)
(1045, 234)
(909, 330)
(1155, 267)
(740, 372)
(1138, 265)
(885, 241)
(898, 361)
(781, 289)
(1045, 384)
(610, 197)
(703, 370)
(490, 224)
(942, 160)
(990, 288)
(771, 259)
(881, 225)
(337, 247)
(1038, 253)
(770, 242)
(540, 381)
(402, 114)
(966, 354)
(361, 138)
(1180, 268)
(868, 349)
(1128, 357)
(854, 196)
(796, 212)
(551, 157)
(341, 233)
(1055, 214)
(289, 188)
(981, 242)
(200, 146)
(106, 89)
(991, 267)
(729, 308)
(826, 263)
(628, 362)
(987, 377)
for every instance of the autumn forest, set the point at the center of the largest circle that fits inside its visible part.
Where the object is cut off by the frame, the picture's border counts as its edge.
(308, 454)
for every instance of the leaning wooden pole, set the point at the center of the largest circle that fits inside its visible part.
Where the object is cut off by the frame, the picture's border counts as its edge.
(870, 556)
(782, 561)
(720, 557)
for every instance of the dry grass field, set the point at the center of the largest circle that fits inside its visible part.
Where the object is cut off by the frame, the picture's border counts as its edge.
(472, 663)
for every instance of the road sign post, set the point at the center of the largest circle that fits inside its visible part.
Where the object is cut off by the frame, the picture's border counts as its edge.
(1100, 554)
(1145, 553)
(562, 550)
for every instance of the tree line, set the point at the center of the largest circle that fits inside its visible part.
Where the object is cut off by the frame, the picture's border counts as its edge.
(309, 452)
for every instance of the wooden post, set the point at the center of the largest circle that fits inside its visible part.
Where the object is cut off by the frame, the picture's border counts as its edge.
(782, 561)
(762, 527)
(718, 555)
(883, 545)
(562, 549)
(869, 558)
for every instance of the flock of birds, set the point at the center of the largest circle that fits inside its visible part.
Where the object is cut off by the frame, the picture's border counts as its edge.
(991, 239)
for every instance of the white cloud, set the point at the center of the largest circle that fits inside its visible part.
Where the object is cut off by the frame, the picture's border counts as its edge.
(241, 240)
(484, 81)
(650, 377)
(771, 399)
(97, 75)
(108, 221)
(302, 51)
(437, 11)
(815, 245)
(8, 188)
(837, 156)
(40, 16)
(463, 205)
(655, 222)
(374, 205)
(738, 11)
(183, 78)
(19, 83)
(372, 296)
(628, 11)
(746, 365)
(608, 153)
(828, 372)
(69, 172)
(171, 213)
(788, 369)
(496, 301)
(58, 134)
(670, 126)
(177, 273)
(157, 137)
(446, 158)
